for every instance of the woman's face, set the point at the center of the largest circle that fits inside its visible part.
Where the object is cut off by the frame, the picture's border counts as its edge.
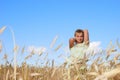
(79, 37)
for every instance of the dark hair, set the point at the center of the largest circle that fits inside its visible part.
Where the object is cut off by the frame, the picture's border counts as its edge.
(78, 31)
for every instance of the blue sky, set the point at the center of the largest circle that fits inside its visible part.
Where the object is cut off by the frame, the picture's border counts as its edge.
(37, 22)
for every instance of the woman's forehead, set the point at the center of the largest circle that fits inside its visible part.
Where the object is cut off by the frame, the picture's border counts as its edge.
(79, 33)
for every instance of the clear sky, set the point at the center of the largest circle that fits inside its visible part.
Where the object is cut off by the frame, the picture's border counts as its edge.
(37, 22)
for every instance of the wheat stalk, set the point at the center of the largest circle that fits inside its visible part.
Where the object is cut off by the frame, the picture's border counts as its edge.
(2, 29)
(15, 51)
(53, 42)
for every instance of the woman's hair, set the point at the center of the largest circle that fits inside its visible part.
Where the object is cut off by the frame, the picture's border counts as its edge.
(78, 31)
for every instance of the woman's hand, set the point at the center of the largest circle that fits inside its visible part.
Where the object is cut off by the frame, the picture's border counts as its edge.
(71, 42)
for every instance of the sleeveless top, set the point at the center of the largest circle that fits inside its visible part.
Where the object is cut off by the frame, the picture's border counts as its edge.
(78, 51)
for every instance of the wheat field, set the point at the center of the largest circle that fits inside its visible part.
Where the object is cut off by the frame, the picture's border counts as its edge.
(100, 68)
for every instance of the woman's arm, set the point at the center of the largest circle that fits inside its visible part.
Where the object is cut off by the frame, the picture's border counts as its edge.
(71, 42)
(86, 36)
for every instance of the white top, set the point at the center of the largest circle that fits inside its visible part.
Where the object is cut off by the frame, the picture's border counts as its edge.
(77, 52)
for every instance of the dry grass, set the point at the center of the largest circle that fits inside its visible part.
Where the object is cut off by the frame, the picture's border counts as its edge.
(101, 68)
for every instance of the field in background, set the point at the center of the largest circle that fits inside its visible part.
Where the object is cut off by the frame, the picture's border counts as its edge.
(104, 65)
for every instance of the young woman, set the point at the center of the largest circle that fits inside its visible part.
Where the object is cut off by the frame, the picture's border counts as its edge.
(79, 44)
